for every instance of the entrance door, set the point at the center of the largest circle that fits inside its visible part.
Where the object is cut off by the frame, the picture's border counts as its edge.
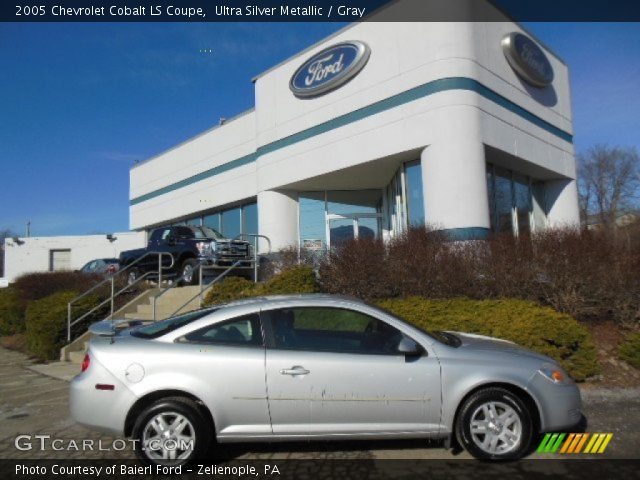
(344, 227)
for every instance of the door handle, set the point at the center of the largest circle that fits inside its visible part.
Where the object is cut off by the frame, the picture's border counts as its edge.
(295, 370)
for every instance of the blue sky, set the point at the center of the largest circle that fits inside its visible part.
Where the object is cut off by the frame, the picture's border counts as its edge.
(81, 102)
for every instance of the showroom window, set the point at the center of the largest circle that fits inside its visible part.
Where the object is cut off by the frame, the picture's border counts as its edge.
(414, 192)
(516, 201)
(212, 221)
(250, 218)
(229, 223)
(404, 199)
(330, 218)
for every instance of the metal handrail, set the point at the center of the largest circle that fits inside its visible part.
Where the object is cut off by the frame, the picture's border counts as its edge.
(209, 285)
(200, 266)
(111, 279)
(255, 237)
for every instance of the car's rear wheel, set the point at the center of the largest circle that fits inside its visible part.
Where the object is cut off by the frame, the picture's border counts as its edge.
(171, 431)
(495, 424)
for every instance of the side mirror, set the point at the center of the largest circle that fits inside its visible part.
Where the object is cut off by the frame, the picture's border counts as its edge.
(408, 346)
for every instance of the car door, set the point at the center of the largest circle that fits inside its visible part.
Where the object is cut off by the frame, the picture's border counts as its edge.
(337, 371)
(227, 358)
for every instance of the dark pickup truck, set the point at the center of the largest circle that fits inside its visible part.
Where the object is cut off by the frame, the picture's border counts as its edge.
(188, 245)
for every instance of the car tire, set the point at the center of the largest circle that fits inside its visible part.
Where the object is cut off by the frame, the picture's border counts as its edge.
(184, 420)
(495, 424)
(189, 272)
(132, 276)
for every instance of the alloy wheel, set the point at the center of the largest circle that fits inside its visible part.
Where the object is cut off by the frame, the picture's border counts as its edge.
(496, 428)
(168, 437)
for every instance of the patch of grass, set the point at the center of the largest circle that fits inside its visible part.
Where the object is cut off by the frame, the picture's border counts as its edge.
(630, 350)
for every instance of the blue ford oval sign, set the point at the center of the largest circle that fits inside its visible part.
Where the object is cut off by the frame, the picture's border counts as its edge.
(527, 59)
(329, 69)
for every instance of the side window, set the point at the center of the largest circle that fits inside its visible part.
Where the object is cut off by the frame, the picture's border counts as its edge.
(156, 235)
(243, 331)
(340, 330)
(166, 233)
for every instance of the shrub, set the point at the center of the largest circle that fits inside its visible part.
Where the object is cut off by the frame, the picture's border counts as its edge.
(33, 286)
(294, 280)
(541, 329)
(12, 310)
(46, 322)
(229, 289)
(357, 268)
(588, 274)
(300, 279)
(630, 350)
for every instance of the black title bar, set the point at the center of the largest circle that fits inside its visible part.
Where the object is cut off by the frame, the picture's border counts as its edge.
(316, 11)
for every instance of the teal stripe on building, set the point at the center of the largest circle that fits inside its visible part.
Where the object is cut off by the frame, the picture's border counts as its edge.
(421, 91)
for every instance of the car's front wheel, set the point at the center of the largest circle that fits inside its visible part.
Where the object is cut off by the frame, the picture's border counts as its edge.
(171, 431)
(495, 424)
(189, 272)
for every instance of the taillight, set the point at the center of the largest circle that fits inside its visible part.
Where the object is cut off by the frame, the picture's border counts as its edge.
(85, 363)
(112, 269)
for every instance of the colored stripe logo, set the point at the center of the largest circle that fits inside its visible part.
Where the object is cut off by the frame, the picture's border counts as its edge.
(571, 443)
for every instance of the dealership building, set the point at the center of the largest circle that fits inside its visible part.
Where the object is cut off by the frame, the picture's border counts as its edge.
(462, 126)
(465, 127)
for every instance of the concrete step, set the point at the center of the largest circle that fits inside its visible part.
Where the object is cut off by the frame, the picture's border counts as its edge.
(167, 307)
(76, 357)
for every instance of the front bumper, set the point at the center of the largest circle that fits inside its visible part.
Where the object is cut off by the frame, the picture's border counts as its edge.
(226, 262)
(560, 405)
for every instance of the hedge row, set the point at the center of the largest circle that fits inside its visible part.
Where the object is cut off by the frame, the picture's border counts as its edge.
(541, 329)
(294, 280)
(590, 275)
(46, 322)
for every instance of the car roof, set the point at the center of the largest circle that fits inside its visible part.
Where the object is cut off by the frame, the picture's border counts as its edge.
(295, 298)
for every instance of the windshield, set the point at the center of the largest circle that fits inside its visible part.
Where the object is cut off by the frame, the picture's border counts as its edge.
(206, 232)
(162, 327)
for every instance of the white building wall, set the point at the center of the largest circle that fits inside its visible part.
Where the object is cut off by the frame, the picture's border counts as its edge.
(403, 56)
(278, 219)
(212, 149)
(32, 254)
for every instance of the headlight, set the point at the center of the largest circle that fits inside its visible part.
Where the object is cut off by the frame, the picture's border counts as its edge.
(203, 248)
(554, 374)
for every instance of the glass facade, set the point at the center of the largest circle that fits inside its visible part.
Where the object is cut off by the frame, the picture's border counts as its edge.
(250, 218)
(312, 220)
(328, 218)
(230, 222)
(415, 193)
(516, 202)
(404, 199)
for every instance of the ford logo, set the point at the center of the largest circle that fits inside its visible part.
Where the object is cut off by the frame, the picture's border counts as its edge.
(329, 69)
(527, 59)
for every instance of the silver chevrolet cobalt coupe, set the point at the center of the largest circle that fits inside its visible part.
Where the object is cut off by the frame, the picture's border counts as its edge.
(314, 367)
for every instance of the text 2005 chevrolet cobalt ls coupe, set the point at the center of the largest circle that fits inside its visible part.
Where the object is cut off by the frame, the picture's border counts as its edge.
(314, 367)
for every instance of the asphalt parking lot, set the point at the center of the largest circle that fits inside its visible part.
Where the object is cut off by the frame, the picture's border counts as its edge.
(35, 404)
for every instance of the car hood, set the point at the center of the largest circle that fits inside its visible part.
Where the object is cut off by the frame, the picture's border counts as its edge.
(471, 341)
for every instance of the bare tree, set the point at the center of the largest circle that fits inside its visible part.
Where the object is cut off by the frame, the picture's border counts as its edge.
(608, 182)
